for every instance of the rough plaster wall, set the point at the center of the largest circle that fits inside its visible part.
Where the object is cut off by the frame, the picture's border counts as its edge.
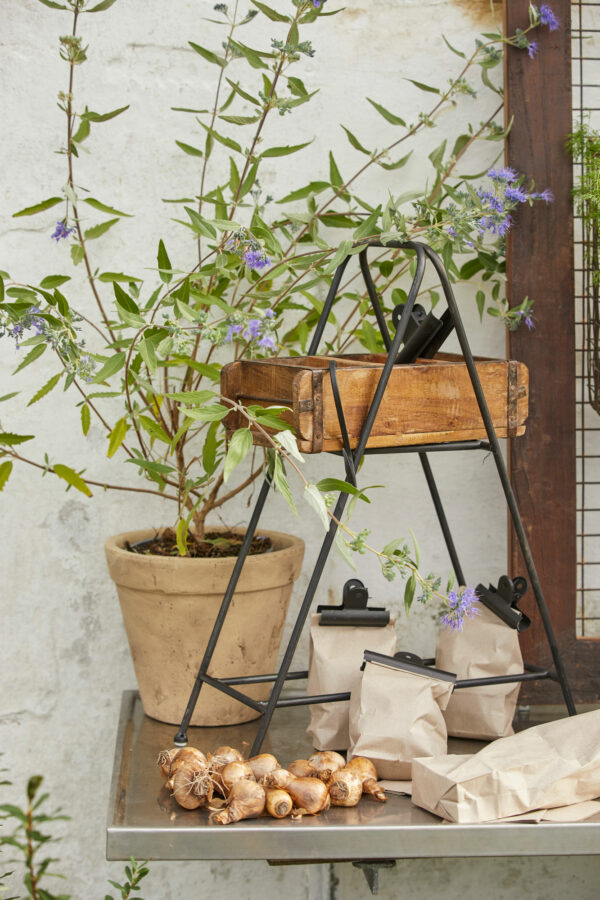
(64, 655)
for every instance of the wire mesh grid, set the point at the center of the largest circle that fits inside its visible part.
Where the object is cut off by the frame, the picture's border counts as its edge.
(585, 29)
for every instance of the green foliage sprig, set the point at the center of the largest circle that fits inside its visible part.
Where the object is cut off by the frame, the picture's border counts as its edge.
(146, 368)
(31, 841)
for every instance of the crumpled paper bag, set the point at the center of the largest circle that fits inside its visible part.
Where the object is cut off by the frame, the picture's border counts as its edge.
(396, 714)
(336, 655)
(485, 646)
(546, 766)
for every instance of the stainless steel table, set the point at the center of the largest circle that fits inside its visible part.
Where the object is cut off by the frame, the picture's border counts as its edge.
(145, 822)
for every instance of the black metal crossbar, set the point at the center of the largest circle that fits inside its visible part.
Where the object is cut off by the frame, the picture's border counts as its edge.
(427, 347)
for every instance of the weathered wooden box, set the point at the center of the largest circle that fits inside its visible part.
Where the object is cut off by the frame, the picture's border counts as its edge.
(429, 401)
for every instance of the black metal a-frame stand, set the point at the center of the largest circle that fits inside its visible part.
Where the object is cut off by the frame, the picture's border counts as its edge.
(424, 342)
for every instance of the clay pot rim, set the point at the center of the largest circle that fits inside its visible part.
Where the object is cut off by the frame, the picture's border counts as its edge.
(114, 545)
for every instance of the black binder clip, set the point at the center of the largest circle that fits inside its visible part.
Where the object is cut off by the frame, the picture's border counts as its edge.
(354, 609)
(503, 601)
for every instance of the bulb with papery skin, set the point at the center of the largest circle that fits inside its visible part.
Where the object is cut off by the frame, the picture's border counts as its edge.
(279, 804)
(368, 773)
(301, 768)
(345, 788)
(326, 762)
(262, 764)
(278, 778)
(234, 772)
(246, 801)
(310, 795)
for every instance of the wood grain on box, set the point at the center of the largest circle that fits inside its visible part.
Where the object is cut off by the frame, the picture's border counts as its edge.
(429, 401)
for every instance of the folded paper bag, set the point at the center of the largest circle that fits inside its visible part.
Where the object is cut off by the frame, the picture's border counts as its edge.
(486, 646)
(546, 766)
(335, 658)
(396, 713)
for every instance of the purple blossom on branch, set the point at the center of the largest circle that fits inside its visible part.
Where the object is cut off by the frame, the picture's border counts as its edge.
(548, 17)
(254, 259)
(516, 194)
(233, 330)
(545, 195)
(504, 174)
(253, 329)
(462, 604)
(61, 231)
(532, 49)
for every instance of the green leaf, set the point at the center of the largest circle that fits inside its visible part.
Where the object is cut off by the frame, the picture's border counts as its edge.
(424, 87)
(338, 257)
(283, 151)
(82, 132)
(239, 447)
(110, 367)
(154, 429)
(208, 54)
(187, 148)
(77, 253)
(52, 4)
(209, 450)
(33, 354)
(46, 388)
(8, 396)
(10, 439)
(355, 142)
(53, 281)
(97, 230)
(270, 13)
(148, 354)
(72, 478)
(336, 484)
(409, 592)
(5, 470)
(39, 207)
(239, 90)
(251, 55)
(249, 180)
(369, 226)
(470, 268)
(436, 156)
(191, 396)
(480, 300)
(85, 418)
(102, 207)
(289, 443)
(117, 276)
(240, 120)
(164, 263)
(315, 187)
(104, 117)
(398, 164)
(117, 436)
(227, 142)
(213, 413)
(389, 116)
(99, 7)
(453, 49)
(315, 498)
(281, 483)
(200, 224)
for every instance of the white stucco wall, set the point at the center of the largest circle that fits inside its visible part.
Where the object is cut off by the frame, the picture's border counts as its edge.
(64, 657)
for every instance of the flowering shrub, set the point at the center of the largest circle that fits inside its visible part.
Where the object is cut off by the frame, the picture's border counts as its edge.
(145, 369)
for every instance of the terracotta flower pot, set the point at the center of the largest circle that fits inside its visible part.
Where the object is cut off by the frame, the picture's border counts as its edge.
(169, 606)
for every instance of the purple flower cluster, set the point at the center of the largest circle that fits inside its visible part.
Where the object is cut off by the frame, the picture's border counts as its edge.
(462, 604)
(31, 319)
(61, 231)
(532, 49)
(254, 259)
(508, 193)
(548, 17)
(254, 331)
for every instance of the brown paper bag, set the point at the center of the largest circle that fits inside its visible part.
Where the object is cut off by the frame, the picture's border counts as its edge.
(336, 655)
(485, 646)
(396, 714)
(546, 766)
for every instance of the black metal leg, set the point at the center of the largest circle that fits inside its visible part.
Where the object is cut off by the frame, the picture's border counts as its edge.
(298, 626)
(437, 502)
(181, 736)
(504, 479)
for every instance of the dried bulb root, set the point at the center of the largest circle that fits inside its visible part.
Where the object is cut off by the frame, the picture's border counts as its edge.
(164, 760)
(262, 764)
(366, 770)
(222, 756)
(326, 762)
(279, 804)
(301, 768)
(345, 788)
(189, 789)
(246, 801)
(234, 772)
(278, 778)
(310, 795)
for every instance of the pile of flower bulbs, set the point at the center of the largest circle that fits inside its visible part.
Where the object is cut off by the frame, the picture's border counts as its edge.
(233, 788)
